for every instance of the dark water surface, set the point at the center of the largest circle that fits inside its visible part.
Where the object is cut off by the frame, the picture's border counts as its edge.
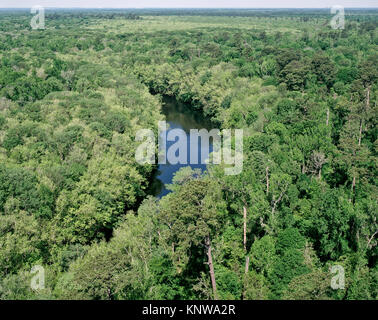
(179, 116)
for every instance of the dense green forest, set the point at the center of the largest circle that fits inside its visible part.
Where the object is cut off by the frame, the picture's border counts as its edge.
(74, 200)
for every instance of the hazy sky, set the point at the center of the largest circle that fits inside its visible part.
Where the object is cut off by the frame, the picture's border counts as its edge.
(188, 3)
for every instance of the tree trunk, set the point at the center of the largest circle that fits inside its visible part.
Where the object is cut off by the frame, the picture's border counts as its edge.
(246, 265)
(367, 97)
(211, 267)
(245, 228)
(245, 272)
(327, 117)
(353, 185)
(366, 109)
(360, 133)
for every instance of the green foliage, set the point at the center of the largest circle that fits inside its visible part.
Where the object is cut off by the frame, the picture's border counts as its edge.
(290, 261)
(73, 198)
(263, 255)
(309, 286)
(228, 284)
(255, 287)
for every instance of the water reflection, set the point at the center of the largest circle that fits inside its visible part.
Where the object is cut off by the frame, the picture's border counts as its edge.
(179, 116)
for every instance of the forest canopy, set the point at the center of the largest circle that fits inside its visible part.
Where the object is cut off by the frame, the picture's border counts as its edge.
(74, 200)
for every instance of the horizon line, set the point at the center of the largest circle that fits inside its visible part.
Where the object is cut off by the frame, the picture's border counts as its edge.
(243, 8)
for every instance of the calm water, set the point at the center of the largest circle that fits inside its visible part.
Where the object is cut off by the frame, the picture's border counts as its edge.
(178, 116)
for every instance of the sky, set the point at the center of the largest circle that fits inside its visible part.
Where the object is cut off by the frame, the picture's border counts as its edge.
(187, 3)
